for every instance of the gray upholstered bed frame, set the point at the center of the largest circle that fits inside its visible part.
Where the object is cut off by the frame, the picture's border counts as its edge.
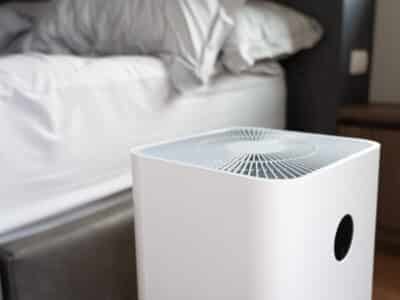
(82, 255)
(90, 255)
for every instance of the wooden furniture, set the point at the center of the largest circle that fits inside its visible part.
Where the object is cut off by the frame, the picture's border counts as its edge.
(382, 124)
(387, 277)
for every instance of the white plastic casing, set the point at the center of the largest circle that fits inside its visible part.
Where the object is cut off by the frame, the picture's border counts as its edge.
(205, 234)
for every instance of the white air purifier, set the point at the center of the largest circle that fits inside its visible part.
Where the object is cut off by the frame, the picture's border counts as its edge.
(256, 214)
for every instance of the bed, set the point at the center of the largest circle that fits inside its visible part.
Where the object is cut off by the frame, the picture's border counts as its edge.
(68, 124)
(70, 142)
(68, 234)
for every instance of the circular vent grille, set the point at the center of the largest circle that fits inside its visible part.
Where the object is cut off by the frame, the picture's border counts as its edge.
(259, 152)
(263, 154)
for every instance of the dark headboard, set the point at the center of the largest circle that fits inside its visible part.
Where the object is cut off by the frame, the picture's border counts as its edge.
(318, 79)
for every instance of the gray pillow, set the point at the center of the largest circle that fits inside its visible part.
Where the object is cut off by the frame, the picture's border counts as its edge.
(34, 9)
(267, 30)
(12, 24)
(189, 34)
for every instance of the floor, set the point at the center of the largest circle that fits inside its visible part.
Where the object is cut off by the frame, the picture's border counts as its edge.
(387, 277)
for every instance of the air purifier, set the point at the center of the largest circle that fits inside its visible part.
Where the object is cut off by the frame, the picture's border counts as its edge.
(256, 214)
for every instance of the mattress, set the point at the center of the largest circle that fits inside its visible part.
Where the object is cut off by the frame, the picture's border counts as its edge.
(67, 125)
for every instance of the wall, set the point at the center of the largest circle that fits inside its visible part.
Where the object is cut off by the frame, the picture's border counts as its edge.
(385, 84)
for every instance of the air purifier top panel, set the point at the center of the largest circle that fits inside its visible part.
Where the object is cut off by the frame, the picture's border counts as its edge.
(259, 152)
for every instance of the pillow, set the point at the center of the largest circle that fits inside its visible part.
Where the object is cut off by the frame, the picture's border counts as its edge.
(31, 9)
(188, 34)
(267, 30)
(11, 25)
(232, 6)
(266, 68)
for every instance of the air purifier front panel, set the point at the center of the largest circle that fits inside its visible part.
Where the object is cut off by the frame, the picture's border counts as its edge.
(204, 232)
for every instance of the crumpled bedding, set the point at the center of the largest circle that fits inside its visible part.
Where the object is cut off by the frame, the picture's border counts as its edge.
(187, 34)
(67, 124)
(12, 26)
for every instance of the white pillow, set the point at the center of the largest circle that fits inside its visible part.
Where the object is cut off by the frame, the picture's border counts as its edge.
(11, 25)
(232, 6)
(267, 30)
(188, 33)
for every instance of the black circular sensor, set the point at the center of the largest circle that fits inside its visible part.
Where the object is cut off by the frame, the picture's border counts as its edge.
(344, 238)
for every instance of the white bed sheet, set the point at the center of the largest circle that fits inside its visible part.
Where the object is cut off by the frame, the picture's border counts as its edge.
(67, 125)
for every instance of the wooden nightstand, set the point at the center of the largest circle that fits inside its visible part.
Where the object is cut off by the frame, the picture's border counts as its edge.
(382, 124)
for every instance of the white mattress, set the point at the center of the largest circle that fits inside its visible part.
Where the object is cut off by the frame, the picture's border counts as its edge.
(67, 125)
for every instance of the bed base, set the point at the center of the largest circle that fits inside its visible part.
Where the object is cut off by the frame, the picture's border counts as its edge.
(87, 257)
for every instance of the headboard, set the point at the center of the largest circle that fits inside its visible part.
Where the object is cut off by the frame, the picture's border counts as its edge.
(318, 79)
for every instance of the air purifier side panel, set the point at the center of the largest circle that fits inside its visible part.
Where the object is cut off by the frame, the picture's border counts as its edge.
(309, 268)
